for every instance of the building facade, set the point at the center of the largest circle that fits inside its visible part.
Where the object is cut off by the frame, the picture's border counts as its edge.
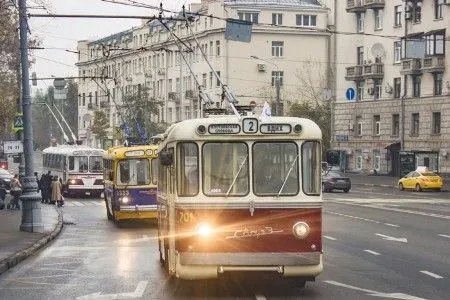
(392, 92)
(288, 36)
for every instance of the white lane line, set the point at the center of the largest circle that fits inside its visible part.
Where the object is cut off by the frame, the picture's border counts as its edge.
(372, 252)
(329, 237)
(260, 297)
(444, 235)
(432, 274)
(94, 202)
(76, 203)
(361, 218)
(391, 238)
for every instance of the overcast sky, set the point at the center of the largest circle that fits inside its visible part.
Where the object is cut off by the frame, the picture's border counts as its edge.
(63, 33)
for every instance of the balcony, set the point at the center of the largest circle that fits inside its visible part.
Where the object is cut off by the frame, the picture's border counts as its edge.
(374, 4)
(433, 64)
(174, 96)
(373, 71)
(411, 66)
(355, 6)
(354, 73)
(190, 94)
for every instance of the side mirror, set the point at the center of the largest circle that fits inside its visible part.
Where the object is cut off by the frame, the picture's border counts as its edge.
(166, 158)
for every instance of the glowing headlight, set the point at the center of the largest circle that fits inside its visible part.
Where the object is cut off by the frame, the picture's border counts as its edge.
(301, 230)
(125, 200)
(72, 181)
(204, 230)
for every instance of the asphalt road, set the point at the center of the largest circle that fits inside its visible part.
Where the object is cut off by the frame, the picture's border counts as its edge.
(378, 243)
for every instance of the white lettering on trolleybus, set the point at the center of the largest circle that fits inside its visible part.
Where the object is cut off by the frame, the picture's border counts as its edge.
(246, 233)
(224, 128)
(275, 128)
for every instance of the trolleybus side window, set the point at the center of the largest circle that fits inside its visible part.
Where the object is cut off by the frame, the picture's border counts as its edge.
(188, 168)
(311, 167)
(154, 164)
(71, 163)
(225, 169)
(275, 168)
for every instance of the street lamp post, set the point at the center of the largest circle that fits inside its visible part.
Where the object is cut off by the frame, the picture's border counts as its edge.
(277, 84)
(31, 210)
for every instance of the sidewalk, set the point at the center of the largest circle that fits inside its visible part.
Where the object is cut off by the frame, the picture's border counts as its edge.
(15, 245)
(383, 180)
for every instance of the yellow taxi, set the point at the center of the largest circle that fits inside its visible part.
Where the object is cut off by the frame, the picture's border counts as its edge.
(421, 178)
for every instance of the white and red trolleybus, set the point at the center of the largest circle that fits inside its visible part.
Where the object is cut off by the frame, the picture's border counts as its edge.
(241, 194)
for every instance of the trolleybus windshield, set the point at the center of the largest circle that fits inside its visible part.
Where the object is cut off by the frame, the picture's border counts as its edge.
(95, 164)
(133, 171)
(78, 164)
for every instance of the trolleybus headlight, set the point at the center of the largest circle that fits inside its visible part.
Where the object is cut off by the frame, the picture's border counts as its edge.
(72, 181)
(301, 230)
(204, 230)
(125, 200)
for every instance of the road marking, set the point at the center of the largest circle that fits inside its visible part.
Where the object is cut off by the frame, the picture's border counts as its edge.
(260, 297)
(76, 203)
(57, 269)
(444, 235)
(329, 237)
(375, 293)
(360, 218)
(138, 292)
(372, 252)
(432, 274)
(390, 238)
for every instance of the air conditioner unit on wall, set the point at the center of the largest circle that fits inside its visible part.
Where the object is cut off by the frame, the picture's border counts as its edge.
(261, 67)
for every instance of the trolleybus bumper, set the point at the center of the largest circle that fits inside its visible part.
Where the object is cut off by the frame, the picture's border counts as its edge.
(192, 266)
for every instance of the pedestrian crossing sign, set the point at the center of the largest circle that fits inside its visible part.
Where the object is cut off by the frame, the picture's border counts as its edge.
(18, 122)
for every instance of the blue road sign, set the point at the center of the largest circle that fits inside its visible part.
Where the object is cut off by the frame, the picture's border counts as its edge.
(350, 94)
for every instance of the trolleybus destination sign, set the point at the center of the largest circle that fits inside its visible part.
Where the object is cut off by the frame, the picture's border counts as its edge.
(224, 128)
(275, 128)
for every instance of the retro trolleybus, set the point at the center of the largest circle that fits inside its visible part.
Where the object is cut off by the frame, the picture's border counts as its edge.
(79, 167)
(239, 194)
(130, 176)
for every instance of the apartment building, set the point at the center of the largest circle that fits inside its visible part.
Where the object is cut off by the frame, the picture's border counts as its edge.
(149, 57)
(392, 103)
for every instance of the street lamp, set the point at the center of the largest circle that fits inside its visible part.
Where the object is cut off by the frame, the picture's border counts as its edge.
(277, 84)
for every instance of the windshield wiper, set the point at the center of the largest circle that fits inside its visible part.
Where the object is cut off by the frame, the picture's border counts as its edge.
(287, 176)
(235, 177)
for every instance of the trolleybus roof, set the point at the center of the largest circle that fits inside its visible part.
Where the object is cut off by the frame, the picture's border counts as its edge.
(72, 150)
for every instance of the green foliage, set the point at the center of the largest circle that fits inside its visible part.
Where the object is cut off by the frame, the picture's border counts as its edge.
(100, 124)
(319, 113)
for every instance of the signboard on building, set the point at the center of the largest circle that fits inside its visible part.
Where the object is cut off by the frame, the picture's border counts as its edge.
(12, 147)
(341, 138)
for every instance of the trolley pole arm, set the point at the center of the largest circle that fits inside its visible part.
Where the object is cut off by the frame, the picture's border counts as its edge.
(67, 125)
(66, 138)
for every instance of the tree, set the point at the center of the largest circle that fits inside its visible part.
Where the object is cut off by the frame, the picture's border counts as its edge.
(99, 125)
(137, 112)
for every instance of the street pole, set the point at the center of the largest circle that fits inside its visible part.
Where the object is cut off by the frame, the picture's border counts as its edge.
(31, 210)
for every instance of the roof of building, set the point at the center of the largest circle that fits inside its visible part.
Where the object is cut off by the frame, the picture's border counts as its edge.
(290, 3)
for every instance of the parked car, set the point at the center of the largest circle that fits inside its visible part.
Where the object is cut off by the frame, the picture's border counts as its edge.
(334, 180)
(421, 179)
(5, 179)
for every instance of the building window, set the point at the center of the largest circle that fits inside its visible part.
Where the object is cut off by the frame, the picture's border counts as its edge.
(376, 159)
(306, 20)
(378, 13)
(84, 99)
(359, 160)
(277, 19)
(277, 49)
(434, 43)
(360, 90)
(438, 77)
(398, 15)
(203, 80)
(218, 81)
(397, 87)
(210, 79)
(415, 124)
(217, 48)
(359, 22)
(438, 8)
(358, 126)
(378, 85)
(359, 55)
(436, 123)
(376, 125)
(395, 124)
(397, 52)
(416, 85)
(417, 11)
(248, 16)
(277, 75)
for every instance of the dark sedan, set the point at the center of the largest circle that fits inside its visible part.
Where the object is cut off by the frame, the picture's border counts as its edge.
(333, 180)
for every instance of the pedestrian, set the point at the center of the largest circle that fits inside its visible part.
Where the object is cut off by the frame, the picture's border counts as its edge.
(16, 191)
(37, 181)
(48, 187)
(56, 192)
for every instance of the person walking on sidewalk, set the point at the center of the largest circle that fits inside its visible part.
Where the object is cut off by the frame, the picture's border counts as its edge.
(46, 187)
(56, 191)
(16, 191)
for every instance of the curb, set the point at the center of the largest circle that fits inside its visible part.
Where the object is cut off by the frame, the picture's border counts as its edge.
(16, 258)
(386, 185)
